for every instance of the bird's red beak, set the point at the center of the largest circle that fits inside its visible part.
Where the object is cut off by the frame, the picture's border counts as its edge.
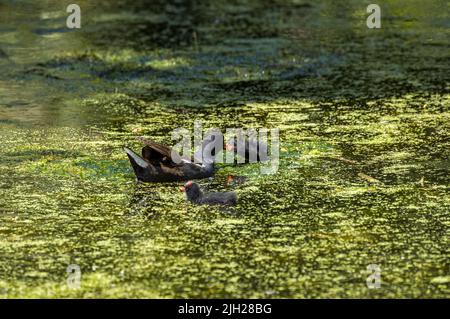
(182, 188)
(228, 147)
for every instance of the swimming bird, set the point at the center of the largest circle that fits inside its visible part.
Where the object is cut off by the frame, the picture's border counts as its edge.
(157, 165)
(250, 149)
(196, 196)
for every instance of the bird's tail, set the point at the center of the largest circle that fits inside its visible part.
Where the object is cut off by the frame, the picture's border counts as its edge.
(136, 160)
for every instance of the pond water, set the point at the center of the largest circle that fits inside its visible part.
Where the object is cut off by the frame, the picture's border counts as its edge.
(364, 126)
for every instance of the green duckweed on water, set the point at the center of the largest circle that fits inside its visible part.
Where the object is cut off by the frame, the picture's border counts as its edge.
(364, 169)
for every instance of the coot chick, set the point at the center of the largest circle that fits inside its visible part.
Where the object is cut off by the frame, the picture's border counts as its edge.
(253, 151)
(196, 196)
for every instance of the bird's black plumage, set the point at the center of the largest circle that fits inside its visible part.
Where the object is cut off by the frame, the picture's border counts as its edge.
(157, 165)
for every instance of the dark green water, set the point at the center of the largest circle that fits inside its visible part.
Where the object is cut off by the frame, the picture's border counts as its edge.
(364, 160)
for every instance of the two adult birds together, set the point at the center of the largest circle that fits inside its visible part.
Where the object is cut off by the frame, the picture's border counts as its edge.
(157, 165)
